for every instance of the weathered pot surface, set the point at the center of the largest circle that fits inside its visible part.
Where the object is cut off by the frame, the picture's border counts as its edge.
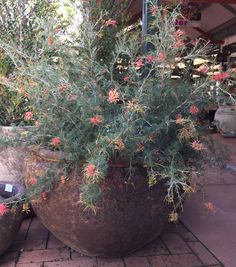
(10, 221)
(128, 215)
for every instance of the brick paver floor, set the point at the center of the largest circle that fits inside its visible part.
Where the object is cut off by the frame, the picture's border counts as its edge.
(34, 246)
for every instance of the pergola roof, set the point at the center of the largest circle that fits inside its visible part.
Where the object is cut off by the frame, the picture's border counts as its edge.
(217, 21)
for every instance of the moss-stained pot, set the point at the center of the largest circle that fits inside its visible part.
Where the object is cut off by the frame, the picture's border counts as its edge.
(128, 215)
(10, 221)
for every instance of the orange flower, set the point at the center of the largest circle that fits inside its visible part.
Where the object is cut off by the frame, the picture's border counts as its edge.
(196, 145)
(179, 119)
(3, 209)
(33, 181)
(110, 22)
(162, 57)
(91, 170)
(113, 96)
(50, 40)
(153, 9)
(56, 141)
(193, 110)
(220, 76)
(28, 115)
(209, 207)
(98, 119)
(139, 64)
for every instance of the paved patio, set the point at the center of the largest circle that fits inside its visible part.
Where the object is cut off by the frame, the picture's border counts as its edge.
(177, 247)
(209, 239)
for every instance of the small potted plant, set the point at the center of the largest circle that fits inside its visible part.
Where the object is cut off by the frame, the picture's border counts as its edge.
(11, 194)
(116, 143)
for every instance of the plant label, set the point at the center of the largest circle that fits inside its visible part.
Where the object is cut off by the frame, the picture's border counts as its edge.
(8, 188)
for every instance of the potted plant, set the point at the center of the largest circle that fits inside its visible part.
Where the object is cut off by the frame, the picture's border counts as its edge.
(116, 143)
(10, 212)
(225, 117)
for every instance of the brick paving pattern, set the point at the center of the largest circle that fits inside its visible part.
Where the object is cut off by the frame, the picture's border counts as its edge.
(34, 246)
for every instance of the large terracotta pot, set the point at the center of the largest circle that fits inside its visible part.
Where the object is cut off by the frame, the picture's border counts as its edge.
(128, 215)
(225, 119)
(10, 221)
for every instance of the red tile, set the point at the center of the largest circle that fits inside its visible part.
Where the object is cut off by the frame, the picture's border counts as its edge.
(110, 262)
(136, 262)
(53, 242)
(83, 262)
(45, 255)
(184, 260)
(204, 255)
(175, 243)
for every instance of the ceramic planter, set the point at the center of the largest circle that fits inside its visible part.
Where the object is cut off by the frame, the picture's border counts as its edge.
(10, 221)
(128, 215)
(225, 119)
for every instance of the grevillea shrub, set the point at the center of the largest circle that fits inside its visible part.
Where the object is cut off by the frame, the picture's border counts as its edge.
(142, 116)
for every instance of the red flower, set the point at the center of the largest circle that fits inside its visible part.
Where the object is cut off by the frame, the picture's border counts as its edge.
(33, 181)
(56, 141)
(91, 170)
(63, 87)
(150, 58)
(139, 64)
(28, 115)
(3, 209)
(193, 110)
(110, 22)
(220, 76)
(126, 79)
(98, 119)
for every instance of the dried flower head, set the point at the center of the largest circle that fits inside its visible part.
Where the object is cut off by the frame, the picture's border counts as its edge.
(196, 145)
(50, 40)
(173, 216)
(119, 144)
(162, 57)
